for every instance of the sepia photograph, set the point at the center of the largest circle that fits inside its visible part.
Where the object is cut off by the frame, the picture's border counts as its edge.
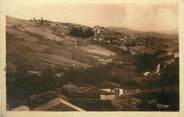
(92, 57)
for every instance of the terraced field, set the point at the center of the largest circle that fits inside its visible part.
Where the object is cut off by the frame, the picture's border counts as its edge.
(97, 50)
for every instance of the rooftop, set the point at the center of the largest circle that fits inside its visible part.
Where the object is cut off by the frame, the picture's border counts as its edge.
(55, 104)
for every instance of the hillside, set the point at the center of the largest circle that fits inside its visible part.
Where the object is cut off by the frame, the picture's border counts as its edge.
(49, 43)
(38, 43)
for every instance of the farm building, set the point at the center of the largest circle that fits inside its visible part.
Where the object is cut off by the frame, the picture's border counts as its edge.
(111, 87)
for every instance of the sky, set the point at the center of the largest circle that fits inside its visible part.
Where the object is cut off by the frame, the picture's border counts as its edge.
(142, 17)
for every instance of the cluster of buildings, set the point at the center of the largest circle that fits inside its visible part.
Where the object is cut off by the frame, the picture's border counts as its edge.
(40, 21)
(61, 98)
(47, 101)
(104, 91)
(113, 39)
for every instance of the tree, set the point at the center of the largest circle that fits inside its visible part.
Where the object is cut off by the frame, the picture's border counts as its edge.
(80, 32)
(145, 61)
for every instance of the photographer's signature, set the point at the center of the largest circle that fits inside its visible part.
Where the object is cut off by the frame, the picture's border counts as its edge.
(163, 106)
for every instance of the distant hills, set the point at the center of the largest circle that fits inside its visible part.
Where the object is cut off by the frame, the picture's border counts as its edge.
(165, 35)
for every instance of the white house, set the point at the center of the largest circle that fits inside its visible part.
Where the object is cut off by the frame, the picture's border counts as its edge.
(116, 91)
(107, 96)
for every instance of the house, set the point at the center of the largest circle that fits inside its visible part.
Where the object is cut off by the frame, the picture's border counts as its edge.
(99, 94)
(107, 96)
(92, 92)
(111, 87)
(74, 91)
(57, 104)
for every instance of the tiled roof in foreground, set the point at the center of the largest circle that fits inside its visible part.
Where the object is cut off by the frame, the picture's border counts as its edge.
(57, 104)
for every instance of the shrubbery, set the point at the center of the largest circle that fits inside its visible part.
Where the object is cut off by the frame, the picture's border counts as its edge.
(80, 32)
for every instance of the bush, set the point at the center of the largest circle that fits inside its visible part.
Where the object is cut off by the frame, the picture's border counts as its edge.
(80, 32)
